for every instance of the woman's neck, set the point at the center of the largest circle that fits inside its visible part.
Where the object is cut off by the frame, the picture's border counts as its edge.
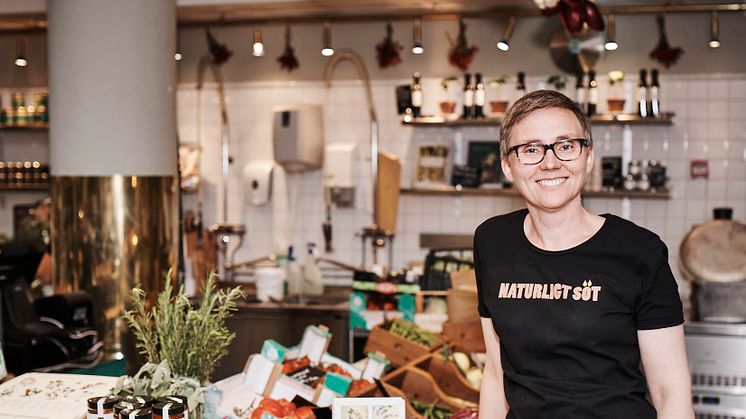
(562, 229)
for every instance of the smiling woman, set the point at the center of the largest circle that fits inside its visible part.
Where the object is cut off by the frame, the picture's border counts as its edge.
(572, 303)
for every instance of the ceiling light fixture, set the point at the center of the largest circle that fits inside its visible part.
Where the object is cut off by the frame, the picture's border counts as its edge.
(714, 30)
(611, 43)
(504, 43)
(417, 48)
(257, 48)
(21, 60)
(327, 50)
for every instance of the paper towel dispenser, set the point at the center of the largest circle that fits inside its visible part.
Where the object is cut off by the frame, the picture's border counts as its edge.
(298, 137)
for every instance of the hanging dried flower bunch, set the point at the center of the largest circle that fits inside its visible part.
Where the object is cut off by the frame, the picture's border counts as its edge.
(574, 13)
(220, 52)
(461, 54)
(288, 61)
(663, 53)
(387, 51)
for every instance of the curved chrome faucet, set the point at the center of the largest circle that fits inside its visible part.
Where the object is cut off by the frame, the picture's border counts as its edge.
(357, 61)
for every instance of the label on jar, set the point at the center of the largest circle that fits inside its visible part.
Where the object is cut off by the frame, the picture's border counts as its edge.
(468, 97)
(593, 95)
(479, 97)
(417, 98)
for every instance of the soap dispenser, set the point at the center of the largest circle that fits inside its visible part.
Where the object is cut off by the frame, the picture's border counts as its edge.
(312, 280)
(294, 274)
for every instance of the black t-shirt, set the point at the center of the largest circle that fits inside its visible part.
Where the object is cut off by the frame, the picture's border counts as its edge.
(568, 320)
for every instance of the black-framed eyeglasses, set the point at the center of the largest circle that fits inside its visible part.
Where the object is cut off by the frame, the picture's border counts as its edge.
(534, 153)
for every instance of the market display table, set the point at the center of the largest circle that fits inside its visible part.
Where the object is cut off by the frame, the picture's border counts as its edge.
(42, 395)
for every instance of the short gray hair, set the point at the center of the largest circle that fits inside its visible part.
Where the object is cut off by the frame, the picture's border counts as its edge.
(540, 99)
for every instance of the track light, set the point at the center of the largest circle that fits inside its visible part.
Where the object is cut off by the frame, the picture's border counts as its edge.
(714, 30)
(611, 44)
(257, 48)
(178, 56)
(327, 50)
(21, 60)
(417, 48)
(504, 43)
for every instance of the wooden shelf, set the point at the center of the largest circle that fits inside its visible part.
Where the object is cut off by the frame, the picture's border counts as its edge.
(512, 192)
(620, 119)
(25, 129)
(24, 187)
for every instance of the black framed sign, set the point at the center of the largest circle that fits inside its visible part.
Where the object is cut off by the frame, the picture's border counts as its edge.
(485, 157)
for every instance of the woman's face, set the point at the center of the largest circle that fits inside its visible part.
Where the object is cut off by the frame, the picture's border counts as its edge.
(553, 183)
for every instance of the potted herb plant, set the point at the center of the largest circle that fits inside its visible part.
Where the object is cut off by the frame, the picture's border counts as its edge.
(616, 100)
(558, 81)
(181, 342)
(498, 95)
(450, 92)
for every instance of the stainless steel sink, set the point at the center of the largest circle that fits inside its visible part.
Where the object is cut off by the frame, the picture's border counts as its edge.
(315, 299)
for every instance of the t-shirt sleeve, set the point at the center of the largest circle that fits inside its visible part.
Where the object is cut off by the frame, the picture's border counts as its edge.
(481, 307)
(658, 304)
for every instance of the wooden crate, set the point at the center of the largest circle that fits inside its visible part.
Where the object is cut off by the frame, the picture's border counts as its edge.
(468, 336)
(448, 377)
(419, 385)
(398, 351)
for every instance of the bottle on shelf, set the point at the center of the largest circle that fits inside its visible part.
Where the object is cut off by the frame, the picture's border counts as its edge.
(468, 97)
(642, 94)
(479, 97)
(416, 96)
(520, 84)
(592, 93)
(312, 280)
(20, 113)
(580, 93)
(655, 105)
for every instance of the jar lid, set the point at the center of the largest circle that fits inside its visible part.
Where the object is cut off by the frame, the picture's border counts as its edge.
(173, 398)
(137, 413)
(169, 407)
(102, 402)
(141, 400)
(124, 405)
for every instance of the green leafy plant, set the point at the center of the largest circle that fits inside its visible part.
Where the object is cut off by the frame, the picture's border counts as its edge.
(156, 380)
(499, 81)
(446, 81)
(191, 339)
(616, 77)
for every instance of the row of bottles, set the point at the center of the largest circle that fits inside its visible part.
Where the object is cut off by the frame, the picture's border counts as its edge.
(23, 173)
(473, 97)
(648, 95)
(18, 114)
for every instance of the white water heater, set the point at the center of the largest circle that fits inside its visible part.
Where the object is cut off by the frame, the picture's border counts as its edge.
(298, 137)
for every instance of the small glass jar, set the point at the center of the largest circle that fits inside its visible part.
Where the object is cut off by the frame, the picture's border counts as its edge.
(643, 183)
(136, 413)
(125, 405)
(177, 399)
(634, 168)
(102, 407)
(630, 183)
(169, 410)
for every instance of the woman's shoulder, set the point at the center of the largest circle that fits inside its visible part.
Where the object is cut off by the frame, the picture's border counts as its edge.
(500, 223)
(627, 231)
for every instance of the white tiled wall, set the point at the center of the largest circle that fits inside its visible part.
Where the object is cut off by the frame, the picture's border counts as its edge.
(710, 124)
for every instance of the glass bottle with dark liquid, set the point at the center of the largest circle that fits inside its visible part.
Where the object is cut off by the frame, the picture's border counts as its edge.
(642, 94)
(479, 97)
(468, 97)
(416, 96)
(592, 93)
(655, 104)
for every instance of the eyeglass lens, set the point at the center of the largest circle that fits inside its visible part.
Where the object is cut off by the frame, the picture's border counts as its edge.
(565, 150)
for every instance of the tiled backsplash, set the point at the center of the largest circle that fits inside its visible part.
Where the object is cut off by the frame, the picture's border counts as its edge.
(710, 124)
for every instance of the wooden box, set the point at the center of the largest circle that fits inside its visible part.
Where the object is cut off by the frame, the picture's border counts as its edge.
(398, 350)
(448, 377)
(467, 336)
(419, 385)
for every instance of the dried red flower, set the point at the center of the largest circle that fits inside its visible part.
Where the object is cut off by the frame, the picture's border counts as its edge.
(663, 52)
(387, 51)
(461, 54)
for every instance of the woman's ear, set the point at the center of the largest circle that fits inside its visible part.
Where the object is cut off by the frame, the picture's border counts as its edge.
(506, 168)
(590, 161)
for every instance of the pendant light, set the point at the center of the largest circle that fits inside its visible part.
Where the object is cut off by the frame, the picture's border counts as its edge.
(21, 60)
(504, 43)
(417, 48)
(611, 43)
(257, 48)
(714, 30)
(327, 50)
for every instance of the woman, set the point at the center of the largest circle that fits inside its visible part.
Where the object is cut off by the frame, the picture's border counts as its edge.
(574, 306)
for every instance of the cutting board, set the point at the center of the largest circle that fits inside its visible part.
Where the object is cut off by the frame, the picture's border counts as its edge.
(387, 187)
